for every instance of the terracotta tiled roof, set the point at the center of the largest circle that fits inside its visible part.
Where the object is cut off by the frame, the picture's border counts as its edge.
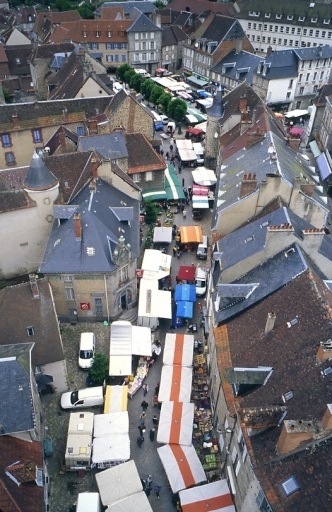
(3, 55)
(112, 13)
(200, 6)
(117, 29)
(142, 157)
(55, 18)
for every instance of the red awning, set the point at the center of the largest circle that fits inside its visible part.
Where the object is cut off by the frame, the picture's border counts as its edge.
(194, 131)
(200, 190)
(186, 273)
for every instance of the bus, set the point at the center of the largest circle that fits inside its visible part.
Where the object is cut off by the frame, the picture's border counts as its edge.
(157, 121)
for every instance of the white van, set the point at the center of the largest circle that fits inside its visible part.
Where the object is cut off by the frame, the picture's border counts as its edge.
(142, 72)
(164, 118)
(200, 282)
(88, 502)
(202, 249)
(89, 397)
(87, 350)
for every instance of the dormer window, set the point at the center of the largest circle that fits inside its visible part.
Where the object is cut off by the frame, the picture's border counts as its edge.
(314, 20)
(254, 13)
(267, 15)
(278, 16)
(326, 21)
(84, 33)
(97, 33)
(290, 17)
(301, 18)
(109, 33)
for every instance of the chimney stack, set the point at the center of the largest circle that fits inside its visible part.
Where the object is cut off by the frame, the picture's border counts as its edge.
(248, 184)
(270, 321)
(93, 126)
(94, 167)
(34, 286)
(324, 351)
(254, 136)
(78, 227)
(308, 189)
(15, 121)
(293, 435)
(327, 418)
(62, 140)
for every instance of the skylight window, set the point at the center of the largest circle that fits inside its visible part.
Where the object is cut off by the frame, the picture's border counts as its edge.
(90, 251)
(290, 486)
(292, 322)
(287, 396)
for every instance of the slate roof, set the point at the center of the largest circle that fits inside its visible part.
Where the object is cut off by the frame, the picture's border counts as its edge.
(265, 279)
(38, 313)
(325, 90)
(314, 53)
(145, 7)
(50, 113)
(18, 59)
(199, 6)
(17, 411)
(47, 51)
(172, 35)
(20, 498)
(291, 352)
(280, 64)
(110, 145)
(54, 141)
(238, 66)
(256, 158)
(101, 230)
(143, 24)
(142, 157)
(39, 176)
(216, 28)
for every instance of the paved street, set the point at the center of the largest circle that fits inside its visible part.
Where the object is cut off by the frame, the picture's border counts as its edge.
(64, 487)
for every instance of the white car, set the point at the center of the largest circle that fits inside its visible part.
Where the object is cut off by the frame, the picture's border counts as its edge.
(81, 398)
(164, 119)
(200, 282)
(86, 350)
(117, 87)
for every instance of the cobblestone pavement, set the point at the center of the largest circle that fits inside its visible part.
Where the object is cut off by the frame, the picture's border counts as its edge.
(65, 487)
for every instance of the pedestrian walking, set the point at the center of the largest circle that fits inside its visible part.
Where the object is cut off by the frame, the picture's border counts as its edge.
(144, 405)
(155, 420)
(147, 491)
(142, 418)
(167, 155)
(157, 490)
(172, 160)
(175, 249)
(180, 169)
(140, 441)
(141, 429)
(145, 388)
(182, 182)
(149, 481)
(162, 152)
(152, 434)
(171, 148)
(184, 214)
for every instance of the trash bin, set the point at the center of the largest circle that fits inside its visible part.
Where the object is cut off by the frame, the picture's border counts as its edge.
(48, 447)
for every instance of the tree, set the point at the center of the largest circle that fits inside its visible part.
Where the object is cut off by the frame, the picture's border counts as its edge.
(164, 100)
(151, 213)
(177, 110)
(136, 82)
(146, 88)
(156, 92)
(86, 11)
(121, 71)
(98, 372)
(128, 76)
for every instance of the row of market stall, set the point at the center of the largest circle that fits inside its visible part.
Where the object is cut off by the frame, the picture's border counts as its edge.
(179, 456)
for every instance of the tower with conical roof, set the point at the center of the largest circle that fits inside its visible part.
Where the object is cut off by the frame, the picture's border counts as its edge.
(214, 114)
(43, 189)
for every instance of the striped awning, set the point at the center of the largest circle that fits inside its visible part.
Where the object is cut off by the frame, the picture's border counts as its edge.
(178, 349)
(215, 497)
(191, 234)
(154, 195)
(175, 384)
(182, 466)
(176, 423)
(172, 185)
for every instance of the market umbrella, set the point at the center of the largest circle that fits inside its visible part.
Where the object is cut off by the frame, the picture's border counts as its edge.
(119, 482)
(214, 497)
(184, 309)
(296, 131)
(186, 292)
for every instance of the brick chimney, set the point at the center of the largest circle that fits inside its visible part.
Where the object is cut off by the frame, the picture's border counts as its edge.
(92, 185)
(62, 141)
(312, 238)
(327, 418)
(16, 124)
(78, 227)
(254, 136)
(248, 184)
(293, 435)
(94, 167)
(270, 321)
(294, 144)
(244, 109)
(93, 126)
(34, 286)
(324, 351)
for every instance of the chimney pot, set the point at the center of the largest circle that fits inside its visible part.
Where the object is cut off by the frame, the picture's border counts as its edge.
(78, 227)
(34, 286)
(270, 321)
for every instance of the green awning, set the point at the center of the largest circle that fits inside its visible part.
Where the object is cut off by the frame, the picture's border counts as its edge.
(197, 81)
(195, 112)
(314, 148)
(154, 195)
(172, 184)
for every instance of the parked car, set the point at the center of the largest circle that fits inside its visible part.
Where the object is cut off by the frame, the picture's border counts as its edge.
(200, 282)
(79, 399)
(87, 350)
(204, 94)
(164, 119)
(202, 249)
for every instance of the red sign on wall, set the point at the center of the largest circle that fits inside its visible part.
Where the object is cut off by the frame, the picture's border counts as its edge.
(85, 305)
(139, 272)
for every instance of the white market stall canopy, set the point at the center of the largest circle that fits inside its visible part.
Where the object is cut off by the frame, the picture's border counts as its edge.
(182, 466)
(296, 113)
(162, 235)
(175, 384)
(176, 423)
(135, 503)
(152, 302)
(184, 144)
(198, 148)
(179, 349)
(200, 202)
(111, 423)
(141, 341)
(116, 399)
(115, 484)
(203, 176)
(156, 264)
(191, 119)
(202, 126)
(111, 448)
(214, 497)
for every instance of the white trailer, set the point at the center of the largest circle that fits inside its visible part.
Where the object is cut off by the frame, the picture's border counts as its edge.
(79, 441)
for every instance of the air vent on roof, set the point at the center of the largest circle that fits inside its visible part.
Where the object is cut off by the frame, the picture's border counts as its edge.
(90, 251)
(292, 322)
(265, 224)
(312, 4)
(249, 239)
(327, 371)
(287, 396)
(286, 253)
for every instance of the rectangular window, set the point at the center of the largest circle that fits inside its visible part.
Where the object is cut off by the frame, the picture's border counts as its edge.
(293, 30)
(321, 75)
(30, 331)
(143, 56)
(80, 131)
(84, 34)
(124, 58)
(298, 31)
(109, 58)
(291, 42)
(290, 85)
(70, 294)
(152, 56)
(149, 176)
(152, 46)
(93, 46)
(37, 136)
(287, 30)
(144, 45)
(152, 35)
(97, 33)
(10, 158)
(315, 88)
(123, 274)
(311, 32)
(110, 46)
(109, 33)
(300, 78)
(276, 28)
(307, 77)
(136, 35)
(136, 177)
(282, 29)
(254, 26)
(249, 25)
(301, 90)
(6, 140)
(288, 95)
(315, 76)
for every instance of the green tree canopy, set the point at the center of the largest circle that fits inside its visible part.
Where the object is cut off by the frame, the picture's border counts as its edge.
(156, 92)
(99, 369)
(164, 100)
(177, 109)
(128, 76)
(121, 71)
(136, 82)
(151, 213)
(146, 88)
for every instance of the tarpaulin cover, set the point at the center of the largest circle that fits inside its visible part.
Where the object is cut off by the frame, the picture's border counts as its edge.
(198, 190)
(110, 448)
(296, 131)
(182, 466)
(186, 273)
(178, 349)
(200, 202)
(214, 497)
(175, 384)
(136, 503)
(176, 423)
(184, 309)
(116, 399)
(115, 484)
(185, 292)
(141, 342)
(191, 234)
(191, 119)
